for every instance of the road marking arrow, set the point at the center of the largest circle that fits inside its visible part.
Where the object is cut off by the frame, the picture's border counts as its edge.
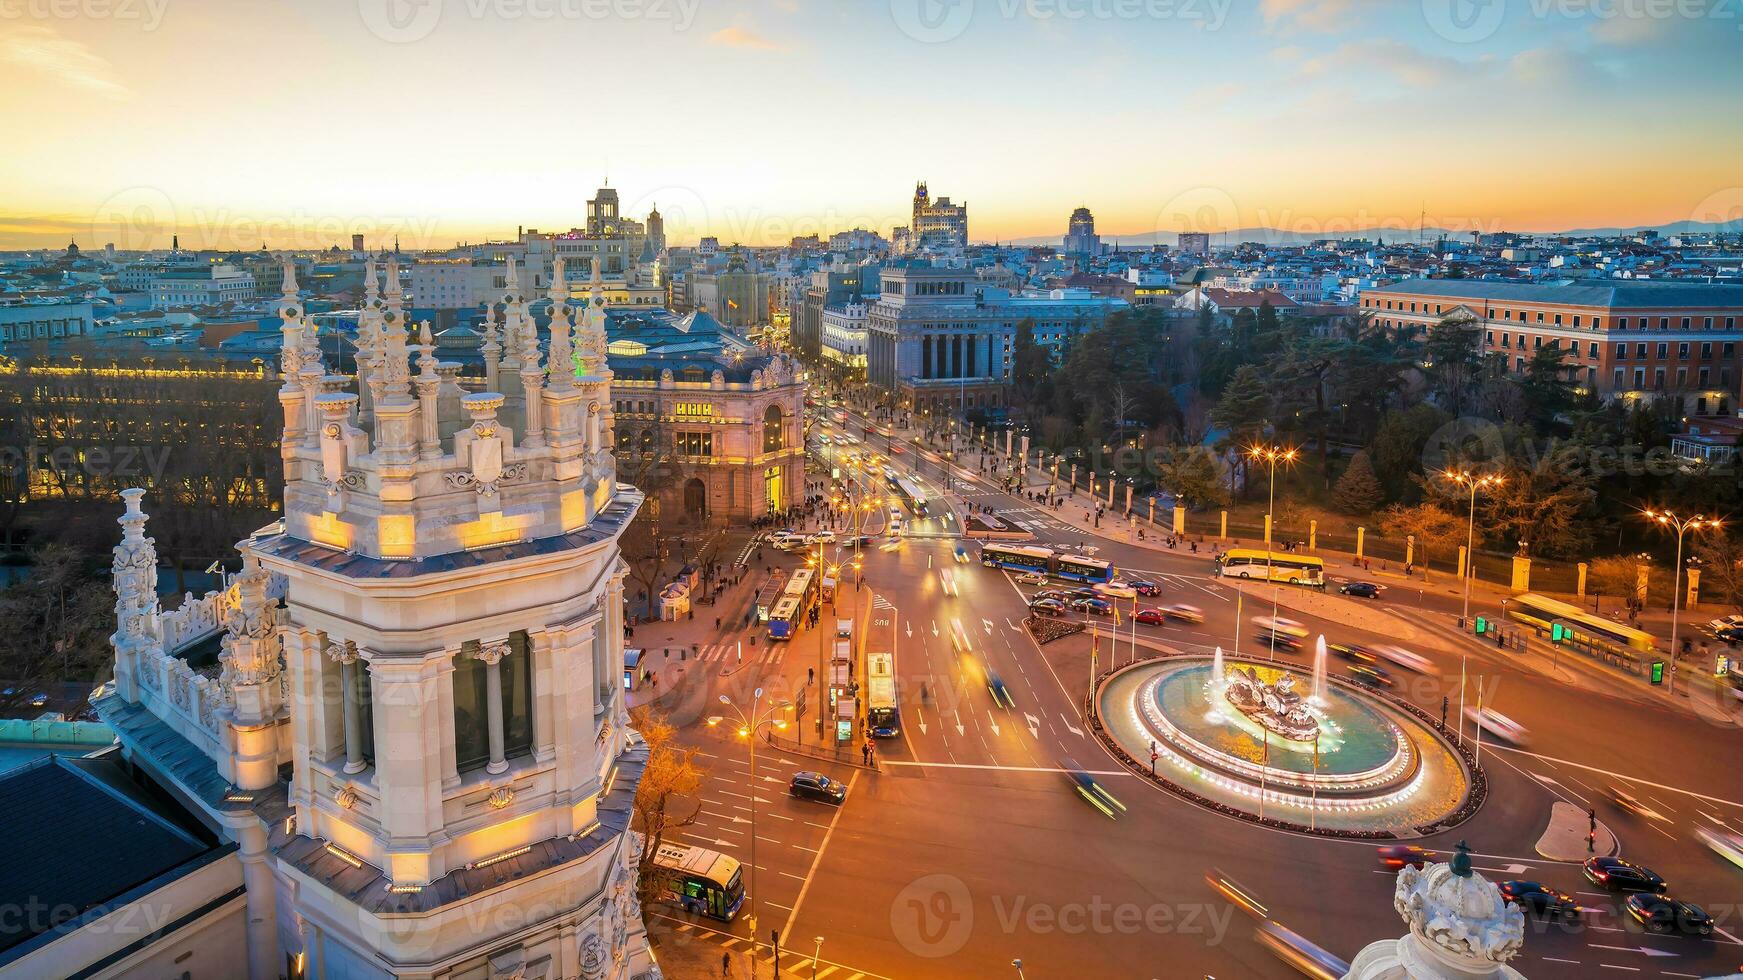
(910, 627)
(987, 624)
(958, 716)
(1034, 725)
(993, 722)
(922, 718)
(935, 628)
(1648, 950)
(1074, 729)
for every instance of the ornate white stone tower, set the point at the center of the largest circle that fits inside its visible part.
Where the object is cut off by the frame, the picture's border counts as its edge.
(425, 750)
(1460, 929)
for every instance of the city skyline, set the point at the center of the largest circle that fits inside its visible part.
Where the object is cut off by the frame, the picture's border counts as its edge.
(1510, 124)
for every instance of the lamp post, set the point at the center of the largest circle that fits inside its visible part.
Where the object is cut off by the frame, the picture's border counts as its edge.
(759, 715)
(815, 954)
(1473, 483)
(1019, 965)
(1272, 455)
(1681, 525)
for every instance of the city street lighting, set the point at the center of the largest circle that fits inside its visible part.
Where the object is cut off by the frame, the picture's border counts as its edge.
(1272, 455)
(1681, 525)
(815, 954)
(1473, 483)
(759, 715)
(1019, 965)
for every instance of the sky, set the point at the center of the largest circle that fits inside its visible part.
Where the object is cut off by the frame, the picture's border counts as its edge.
(294, 123)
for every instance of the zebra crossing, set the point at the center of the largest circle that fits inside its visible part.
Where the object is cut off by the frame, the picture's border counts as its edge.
(1032, 518)
(731, 653)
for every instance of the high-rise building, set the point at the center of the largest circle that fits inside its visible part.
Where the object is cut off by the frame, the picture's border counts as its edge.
(357, 243)
(414, 740)
(1081, 241)
(1194, 243)
(937, 223)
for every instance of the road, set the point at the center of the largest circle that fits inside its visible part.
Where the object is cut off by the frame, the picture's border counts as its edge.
(970, 847)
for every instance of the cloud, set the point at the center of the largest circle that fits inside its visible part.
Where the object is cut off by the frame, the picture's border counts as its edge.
(39, 49)
(1314, 15)
(1629, 30)
(1555, 67)
(738, 37)
(1405, 64)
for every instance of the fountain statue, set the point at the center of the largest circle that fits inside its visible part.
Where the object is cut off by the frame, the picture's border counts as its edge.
(1275, 706)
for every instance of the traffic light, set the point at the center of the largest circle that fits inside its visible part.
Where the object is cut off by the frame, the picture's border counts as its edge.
(1482, 626)
(1658, 672)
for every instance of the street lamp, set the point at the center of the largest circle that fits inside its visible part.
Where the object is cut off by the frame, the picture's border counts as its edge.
(760, 715)
(1681, 525)
(1272, 455)
(815, 954)
(1473, 483)
(1019, 965)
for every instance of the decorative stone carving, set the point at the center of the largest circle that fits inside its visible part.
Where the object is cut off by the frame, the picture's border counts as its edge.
(1458, 912)
(492, 653)
(592, 957)
(346, 798)
(500, 797)
(342, 652)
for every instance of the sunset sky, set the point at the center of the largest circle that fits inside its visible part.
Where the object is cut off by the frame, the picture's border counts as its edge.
(296, 123)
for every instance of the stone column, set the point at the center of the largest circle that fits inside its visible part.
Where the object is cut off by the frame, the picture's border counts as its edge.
(1179, 519)
(1312, 535)
(1361, 539)
(1694, 596)
(1223, 526)
(1521, 573)
(1463, 557)
(491, 654)
(345, 655)
(1410, 549)
(1267, 530)
(1641, 573)
(264, 960)
(1580, 589)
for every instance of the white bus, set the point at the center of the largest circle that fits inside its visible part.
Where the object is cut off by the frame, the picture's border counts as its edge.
(882, 715)
(1277, 566)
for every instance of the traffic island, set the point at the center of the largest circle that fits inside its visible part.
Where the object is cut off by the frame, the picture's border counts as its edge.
(1565, 839)
(1046, 630)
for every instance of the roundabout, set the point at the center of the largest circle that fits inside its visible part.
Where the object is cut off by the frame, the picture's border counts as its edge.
(1253, 738)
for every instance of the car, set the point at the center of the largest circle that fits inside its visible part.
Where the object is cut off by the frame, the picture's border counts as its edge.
(947, 580)
(1098, 607)
(1355, 653)
(1661, 913)
(787, 540)
(1001, 694)
(1150, 617)
(1084, 593)
(1731, 622)
(1228, 888)
(38, 699)
(1630, 804)
(897, 450)
(1060, 594)
(891, 543)
(960, 554)
(1539, 899)
(1724, 843)
(1093, 793)
(1184, 613)
(1372, 675)
(1361, 590)
(1730, 634)
(1299, 952)
(824, 537)
(1406, 659)
(1285, 633)
(1117, 589)
(1498, 725)
(1144, 588)
(1032, 578)
(1622, 876)
(1399, 855)
(1047, 607)
(808, 785)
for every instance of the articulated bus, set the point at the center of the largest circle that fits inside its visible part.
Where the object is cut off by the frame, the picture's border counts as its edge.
(1277, 566)
(794, 605)
(910, 493)
(701, 881)
(1585, 628)
(1029, 558)
(882, 715)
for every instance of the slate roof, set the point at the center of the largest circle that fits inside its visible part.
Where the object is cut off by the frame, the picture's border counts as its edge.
(78, 839)
(1615, 293)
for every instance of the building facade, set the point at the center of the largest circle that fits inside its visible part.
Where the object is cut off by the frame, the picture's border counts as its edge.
(936, 223)
(36, 322)
(1629, 339)
(1081, 241)
(1194, 243)
(181, 288)
(844, 335)
(938, 341)
(415, 733)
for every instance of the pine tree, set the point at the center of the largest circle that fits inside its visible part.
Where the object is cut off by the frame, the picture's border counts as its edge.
(1358, 490)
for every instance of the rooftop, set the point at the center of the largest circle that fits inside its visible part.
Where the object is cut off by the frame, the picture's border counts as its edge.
(1616, 293)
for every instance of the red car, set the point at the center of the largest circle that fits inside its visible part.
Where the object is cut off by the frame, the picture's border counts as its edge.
(1399, 855)
(1150, 617)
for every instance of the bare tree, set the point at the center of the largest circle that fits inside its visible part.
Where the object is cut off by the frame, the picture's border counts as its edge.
(665, 799)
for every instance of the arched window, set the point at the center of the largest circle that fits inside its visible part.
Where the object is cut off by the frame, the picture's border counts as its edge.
(774, 421)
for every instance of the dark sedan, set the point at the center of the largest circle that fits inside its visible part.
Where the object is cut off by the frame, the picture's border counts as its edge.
(1100, 607)
(1622, 876)
(1660, 913)
(807, 785)
(1047, 607)
(1539, 899)
(1144, 588)
(1361, 590)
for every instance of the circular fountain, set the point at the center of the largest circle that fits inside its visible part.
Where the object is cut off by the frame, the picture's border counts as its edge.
(1237, 733)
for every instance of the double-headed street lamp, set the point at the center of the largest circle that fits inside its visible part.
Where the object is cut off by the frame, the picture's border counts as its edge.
(760, 714)
(1472, 482)
(1681, 525)
(1272, 455)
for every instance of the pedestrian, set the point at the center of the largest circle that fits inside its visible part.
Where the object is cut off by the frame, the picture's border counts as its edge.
(865, 753)
(726, 964)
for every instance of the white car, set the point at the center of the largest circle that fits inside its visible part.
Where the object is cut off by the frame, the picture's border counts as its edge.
(827, 537)
(947, 579)
(1723, 843)
(1731, 622)
(786, 539)
(1032, 578)
(1117, 589)
(1404, 658)
(1498, 725)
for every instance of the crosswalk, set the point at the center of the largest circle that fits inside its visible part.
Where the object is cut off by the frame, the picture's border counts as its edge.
(665, 929)
(1032, 518)
(734, 653)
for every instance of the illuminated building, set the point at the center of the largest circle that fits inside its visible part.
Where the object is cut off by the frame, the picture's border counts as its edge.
(1081, 241)
(35, 321)
(420, 758)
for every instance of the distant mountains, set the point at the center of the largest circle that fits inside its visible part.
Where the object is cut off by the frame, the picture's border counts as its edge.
(1273, 236)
